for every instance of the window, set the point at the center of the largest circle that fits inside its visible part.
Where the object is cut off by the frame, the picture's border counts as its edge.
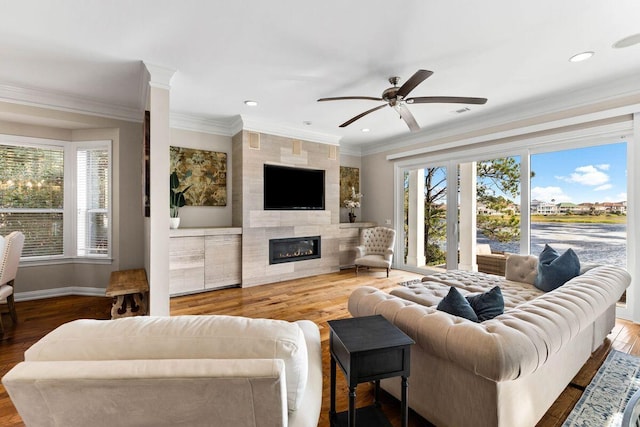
(58, 194)
(570, 193)
(32, 197)
(92, 201)
(579, 200)
(498, 204)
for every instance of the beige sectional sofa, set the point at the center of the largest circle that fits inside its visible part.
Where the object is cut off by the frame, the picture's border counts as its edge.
(506, 371)
(171, 371)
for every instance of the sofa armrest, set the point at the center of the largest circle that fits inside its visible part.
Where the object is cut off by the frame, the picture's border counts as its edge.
(308, 412)
(145, 392)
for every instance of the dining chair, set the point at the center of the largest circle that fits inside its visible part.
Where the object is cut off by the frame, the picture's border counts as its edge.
(10, 254)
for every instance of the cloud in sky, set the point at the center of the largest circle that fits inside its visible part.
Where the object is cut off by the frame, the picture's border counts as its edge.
(546, 194)
(603, 187)
(588, 175)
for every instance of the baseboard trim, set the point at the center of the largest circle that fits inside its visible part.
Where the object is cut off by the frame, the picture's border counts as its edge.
(59, 292)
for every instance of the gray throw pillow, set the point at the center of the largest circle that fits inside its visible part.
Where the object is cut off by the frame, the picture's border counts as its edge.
(555, 270)
(487, 305)
(454, 303)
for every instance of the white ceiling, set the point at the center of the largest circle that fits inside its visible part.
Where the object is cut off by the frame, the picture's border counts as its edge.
(286, 54)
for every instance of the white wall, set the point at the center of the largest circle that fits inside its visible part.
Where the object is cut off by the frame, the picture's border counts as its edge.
(376, 183)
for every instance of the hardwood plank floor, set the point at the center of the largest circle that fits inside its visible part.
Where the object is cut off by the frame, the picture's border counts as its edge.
(319, 298)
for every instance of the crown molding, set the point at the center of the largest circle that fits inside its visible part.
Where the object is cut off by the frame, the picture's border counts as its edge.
(350, 151)
(288, 132)
(547, 105)
(160, 76)
(192, 122)
(70, 103)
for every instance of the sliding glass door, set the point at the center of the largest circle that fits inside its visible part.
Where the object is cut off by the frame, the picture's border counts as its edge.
(425, 191)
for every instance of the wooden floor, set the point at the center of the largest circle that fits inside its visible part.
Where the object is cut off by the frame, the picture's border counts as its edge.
(318, 298)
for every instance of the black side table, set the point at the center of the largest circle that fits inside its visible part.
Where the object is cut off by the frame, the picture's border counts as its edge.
(368, 349)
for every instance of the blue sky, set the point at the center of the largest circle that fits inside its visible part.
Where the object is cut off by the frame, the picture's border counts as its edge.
(594, 174)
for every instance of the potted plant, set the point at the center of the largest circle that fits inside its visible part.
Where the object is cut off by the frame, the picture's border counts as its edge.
(352, 204)
(176, 199)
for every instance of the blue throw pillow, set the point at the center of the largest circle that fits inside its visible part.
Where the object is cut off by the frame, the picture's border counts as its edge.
(488, 304)
(454, 303)
(555, 270)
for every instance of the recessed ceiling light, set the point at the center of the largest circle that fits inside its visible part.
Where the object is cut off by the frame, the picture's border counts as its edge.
(583, 56)
(627, 41)
(365, 130)
(251, 103)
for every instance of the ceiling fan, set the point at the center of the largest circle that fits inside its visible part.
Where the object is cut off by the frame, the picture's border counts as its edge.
(396, 97)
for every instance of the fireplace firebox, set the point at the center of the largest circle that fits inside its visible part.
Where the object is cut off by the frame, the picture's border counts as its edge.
(293, 249)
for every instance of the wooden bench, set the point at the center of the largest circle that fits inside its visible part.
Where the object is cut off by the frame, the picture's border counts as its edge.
(130, 290)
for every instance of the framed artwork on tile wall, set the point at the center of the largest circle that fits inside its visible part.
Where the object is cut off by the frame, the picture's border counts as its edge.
(349, 177)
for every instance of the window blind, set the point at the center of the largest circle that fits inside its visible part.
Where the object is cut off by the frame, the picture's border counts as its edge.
(92, 201)
(32, 197)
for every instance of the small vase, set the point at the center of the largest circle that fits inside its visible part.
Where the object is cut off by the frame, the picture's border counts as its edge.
(352, 217)
(174, 223)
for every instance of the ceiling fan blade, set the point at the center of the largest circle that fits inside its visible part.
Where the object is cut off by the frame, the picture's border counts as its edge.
(361, 115)
(415, 80)
(445, 99)
(408, 117)
(339, 98)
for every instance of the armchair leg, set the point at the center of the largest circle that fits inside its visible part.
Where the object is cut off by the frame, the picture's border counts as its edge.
(387, 272)
(356, 269)
(12, 309)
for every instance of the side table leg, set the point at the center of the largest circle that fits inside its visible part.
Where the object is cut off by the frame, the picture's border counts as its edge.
(376, 395)
(352, 406)
(332, 409)
(404, 409)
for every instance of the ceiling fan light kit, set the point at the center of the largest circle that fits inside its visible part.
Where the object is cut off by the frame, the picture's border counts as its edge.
(396, 97)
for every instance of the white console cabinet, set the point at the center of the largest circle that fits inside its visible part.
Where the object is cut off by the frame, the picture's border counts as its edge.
(204, 258)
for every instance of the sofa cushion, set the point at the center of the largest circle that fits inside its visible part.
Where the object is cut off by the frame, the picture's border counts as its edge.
(487, 305)
(181, 337)
(554, 269)
(454, 303)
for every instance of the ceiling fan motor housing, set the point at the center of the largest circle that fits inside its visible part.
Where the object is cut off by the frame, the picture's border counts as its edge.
(389, 95)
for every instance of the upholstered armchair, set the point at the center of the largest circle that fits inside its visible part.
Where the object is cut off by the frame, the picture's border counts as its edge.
(10, 251)
(376, 248)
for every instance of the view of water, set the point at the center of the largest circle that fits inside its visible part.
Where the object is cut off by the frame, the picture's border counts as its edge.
(593, 243)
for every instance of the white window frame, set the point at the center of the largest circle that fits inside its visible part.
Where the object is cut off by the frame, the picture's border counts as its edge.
(70, 149)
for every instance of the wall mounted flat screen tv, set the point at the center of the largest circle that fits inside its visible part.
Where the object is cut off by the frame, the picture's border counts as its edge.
(288, 188)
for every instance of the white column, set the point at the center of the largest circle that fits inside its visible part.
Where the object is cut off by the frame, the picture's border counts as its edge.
(157, 239)
(415, 254)
(633, 221)
(467, 207)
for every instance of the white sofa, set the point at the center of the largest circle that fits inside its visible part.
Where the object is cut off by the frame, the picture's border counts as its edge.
(506, 371)
(171, 371)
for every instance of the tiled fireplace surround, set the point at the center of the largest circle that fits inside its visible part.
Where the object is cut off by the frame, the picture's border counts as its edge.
(250, 152)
